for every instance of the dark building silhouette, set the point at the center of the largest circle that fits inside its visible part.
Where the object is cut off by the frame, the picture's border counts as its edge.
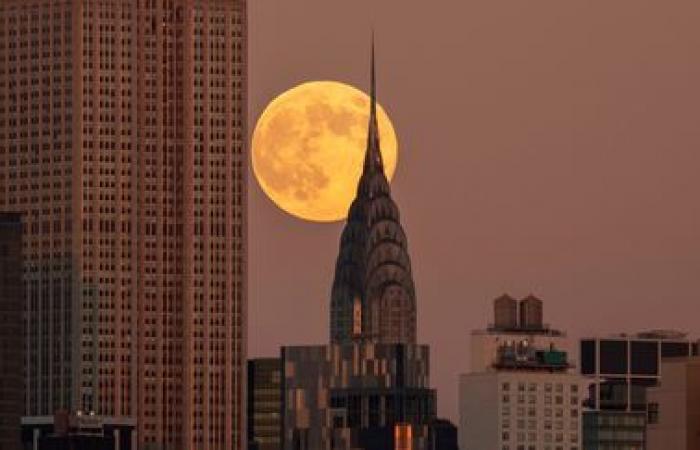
(620, 369)
(78, 432)
(369, 388)
(264, 404)
(11, 331)
(442, 435)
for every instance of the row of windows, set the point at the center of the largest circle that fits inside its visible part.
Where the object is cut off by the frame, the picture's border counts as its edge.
(534, 387)
(533, 437)
(534, 447)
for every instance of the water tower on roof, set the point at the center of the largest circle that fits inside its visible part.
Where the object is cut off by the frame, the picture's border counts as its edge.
(531, 313)
(505, 310)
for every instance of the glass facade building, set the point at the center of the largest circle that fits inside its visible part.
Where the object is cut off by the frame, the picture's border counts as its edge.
(620, 370)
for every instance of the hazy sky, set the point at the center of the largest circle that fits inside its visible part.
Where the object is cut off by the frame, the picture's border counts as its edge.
(547, 147)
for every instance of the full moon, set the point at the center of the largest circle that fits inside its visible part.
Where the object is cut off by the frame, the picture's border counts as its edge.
(309, 146)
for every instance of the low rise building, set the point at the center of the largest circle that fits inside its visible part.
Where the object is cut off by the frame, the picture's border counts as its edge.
(521, 393)
(673, 409)
(264, 404)
(360, 395)
(619, 370)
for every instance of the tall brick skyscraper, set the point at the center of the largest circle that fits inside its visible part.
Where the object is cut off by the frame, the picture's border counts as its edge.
(122, 139)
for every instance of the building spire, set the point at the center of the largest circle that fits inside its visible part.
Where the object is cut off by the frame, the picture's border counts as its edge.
(373, 264)
(373, 81)
(373, 157)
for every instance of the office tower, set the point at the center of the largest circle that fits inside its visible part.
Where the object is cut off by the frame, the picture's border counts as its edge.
(264, 411)
(11, 331)
(369, 387)
(123, 129)
(521, 393)
(673, 408)
(620, 369)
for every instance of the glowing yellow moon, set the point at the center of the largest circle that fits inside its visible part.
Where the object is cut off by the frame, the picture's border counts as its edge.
(309, 146)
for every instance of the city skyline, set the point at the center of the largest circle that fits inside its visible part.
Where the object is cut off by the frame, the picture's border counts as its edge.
(231, 224)
(552, 144)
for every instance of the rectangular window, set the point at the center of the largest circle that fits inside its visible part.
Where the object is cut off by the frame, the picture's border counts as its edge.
(638, 392)
(588, 357)
(644, 357)
(673, 349)
(613, 394)
(653, 413)
(613, 357)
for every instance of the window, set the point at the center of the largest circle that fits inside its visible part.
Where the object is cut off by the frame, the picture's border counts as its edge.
(638, 390)
(670, 349)
(613, 357)
(653, 413)
(588, 357)
(644, 357)
(612, 394)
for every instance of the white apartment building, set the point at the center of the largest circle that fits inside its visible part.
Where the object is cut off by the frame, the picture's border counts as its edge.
(520, 410)
(521, 393)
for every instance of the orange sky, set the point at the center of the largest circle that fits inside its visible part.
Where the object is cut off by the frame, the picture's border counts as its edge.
(548, 146)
